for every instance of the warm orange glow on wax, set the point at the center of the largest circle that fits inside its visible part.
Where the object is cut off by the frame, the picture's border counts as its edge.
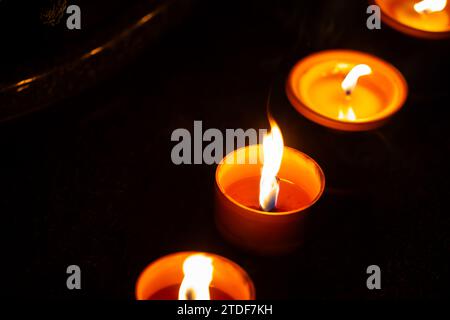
(425, 19)
(292, 196)
(198, 274)
(269, 188)
(346, 90)
(194, 276)
(349, 114)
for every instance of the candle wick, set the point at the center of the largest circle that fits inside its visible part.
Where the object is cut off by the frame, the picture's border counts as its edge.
(271, 210)
(190, 294)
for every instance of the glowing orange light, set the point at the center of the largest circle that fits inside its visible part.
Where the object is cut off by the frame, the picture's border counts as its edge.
(348, 115)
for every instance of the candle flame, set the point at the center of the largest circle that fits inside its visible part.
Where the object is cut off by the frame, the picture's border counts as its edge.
(350, 81)
(349, 115)
(198, 274)
(273, 153)
(429, 6)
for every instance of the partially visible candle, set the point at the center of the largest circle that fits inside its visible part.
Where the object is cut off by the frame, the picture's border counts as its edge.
(194, 276)
(346, 90)
(425, 19)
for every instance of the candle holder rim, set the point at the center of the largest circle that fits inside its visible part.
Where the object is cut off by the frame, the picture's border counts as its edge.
(245, 275)
(282, 213)
(345, 125)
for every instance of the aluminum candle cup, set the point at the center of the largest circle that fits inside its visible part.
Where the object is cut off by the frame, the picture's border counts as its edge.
(238, 215)
(315, 89)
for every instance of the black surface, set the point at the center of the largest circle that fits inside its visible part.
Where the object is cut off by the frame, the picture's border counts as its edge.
(43, 62)
(36, 37)
(93, 184)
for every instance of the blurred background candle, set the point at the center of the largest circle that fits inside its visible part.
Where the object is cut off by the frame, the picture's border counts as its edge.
(194, 276)
(263, 193)
(346, 90)
(425, 19)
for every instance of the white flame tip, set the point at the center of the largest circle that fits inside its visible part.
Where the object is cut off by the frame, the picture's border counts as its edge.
(350, 81)
(269, 188)
(429, 6)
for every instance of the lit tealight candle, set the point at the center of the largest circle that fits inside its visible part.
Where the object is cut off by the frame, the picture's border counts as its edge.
(263, 195)
(346, 90)
(425, 19)
(194, 276)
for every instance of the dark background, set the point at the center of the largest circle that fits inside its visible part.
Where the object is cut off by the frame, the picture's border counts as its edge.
(89, 180)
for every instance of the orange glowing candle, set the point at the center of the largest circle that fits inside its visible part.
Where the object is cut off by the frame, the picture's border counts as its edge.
(425, 19)
(194, 276)
(263, 193)
(346, 90)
